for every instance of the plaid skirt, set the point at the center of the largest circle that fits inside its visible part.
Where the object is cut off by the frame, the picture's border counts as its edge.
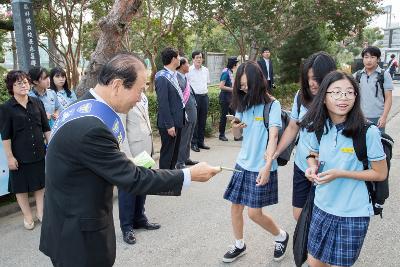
(242, 189)
(336, 240)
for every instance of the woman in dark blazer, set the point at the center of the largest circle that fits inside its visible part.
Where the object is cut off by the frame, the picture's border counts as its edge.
(23, 125)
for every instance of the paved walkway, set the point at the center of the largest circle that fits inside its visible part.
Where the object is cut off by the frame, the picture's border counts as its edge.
(196, 229)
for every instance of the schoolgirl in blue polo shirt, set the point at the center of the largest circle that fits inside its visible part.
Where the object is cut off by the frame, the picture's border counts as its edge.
(256, 183)
(342, 208)
(315, 68)
(59, 84)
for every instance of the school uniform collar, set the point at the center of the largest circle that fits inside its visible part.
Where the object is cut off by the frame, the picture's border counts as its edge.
(173, 73)
(37, 93)
(340, 126)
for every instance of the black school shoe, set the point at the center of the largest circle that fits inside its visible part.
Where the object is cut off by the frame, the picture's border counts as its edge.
(129, 237)
(280, 248)
(234, 253)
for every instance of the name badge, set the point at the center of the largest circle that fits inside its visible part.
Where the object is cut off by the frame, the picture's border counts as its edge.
(347, 150)
(258, 118)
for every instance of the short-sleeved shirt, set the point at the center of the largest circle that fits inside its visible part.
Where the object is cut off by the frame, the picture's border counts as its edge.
(302, 150)
(371, 105)
(64, 100)
(345, 197)
(25, 128)
(226, 76)
(49, 100)
(255, 136)
(199, 79)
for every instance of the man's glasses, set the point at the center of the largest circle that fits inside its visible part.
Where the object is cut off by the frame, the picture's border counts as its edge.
(349, 94)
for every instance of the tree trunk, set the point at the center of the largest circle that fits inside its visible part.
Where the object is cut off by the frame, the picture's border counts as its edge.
(113, 28)
(153, 73)
(253, 50)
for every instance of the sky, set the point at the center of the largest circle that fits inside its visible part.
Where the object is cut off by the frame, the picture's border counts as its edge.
(380, 21)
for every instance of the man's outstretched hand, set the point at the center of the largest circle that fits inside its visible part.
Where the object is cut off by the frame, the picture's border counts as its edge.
(202, 172)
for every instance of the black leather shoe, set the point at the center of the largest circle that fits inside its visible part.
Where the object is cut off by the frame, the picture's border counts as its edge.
(223, 138)
(191, 162)
(129, 237)
(203, 146)
(238, 139)
(195, 148)
(180, 166)
(147, 226)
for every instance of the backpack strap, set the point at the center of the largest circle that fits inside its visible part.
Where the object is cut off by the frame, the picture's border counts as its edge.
(380, 81)
(360, 145)
(298, 101)
(267, 111)
(358, 76)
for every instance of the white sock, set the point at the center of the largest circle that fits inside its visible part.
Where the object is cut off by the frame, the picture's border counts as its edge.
(239, 243)
(281, 236)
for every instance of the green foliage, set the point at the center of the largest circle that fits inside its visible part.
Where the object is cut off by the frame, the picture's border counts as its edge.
(4, 96)
(299, 47)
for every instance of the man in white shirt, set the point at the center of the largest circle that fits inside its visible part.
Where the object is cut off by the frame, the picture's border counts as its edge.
(199, 79)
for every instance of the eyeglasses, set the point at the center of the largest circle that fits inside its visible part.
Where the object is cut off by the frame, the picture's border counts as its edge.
(338, 94)
(21, 83)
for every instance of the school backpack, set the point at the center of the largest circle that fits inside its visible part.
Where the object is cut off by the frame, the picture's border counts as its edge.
(378, 190)
(284, 157)
(380, 81)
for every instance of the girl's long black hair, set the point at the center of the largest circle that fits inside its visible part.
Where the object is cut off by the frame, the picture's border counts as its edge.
(256, 87)
(59, 71)
(321, 63)
(317, 115)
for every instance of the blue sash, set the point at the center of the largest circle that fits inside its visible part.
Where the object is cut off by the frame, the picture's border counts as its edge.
(92, 108)
(174, 82)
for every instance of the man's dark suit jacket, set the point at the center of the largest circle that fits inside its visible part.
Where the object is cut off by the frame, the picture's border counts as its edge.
(263, 66)
(170, 111)
(191, 106)
(83, 163)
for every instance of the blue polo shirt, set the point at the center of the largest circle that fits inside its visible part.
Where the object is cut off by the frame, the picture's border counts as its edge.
(64, 100)
(344, 197)
(302, 150)
(226, 76)
(49, 100)
(255, 136)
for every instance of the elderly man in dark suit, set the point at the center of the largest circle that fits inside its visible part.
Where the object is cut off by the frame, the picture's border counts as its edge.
(267, 68)
(84, 162)
(171, 108)
(191, 115)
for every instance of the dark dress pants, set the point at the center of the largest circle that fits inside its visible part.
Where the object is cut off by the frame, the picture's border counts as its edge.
(131, 210)
(169, 148)
(202, 111)
(184, 147)
(225, 110)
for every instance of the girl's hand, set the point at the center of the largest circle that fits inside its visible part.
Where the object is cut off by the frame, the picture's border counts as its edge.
(263, 177)
(327, 176)
(311, 173)
(12, 164)
(54, 116)
(48, 116)
(239, 125)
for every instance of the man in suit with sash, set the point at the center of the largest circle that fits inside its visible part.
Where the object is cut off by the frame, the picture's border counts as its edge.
(191, 115)
(171, 108)
(84, 162)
